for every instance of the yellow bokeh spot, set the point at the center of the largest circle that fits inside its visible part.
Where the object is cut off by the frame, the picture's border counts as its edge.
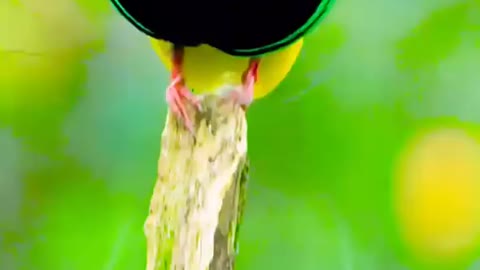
(438, 194)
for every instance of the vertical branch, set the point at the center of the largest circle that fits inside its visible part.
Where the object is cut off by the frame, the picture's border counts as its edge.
(198, 198)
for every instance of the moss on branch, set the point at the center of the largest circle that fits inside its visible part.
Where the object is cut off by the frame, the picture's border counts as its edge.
(197, 203)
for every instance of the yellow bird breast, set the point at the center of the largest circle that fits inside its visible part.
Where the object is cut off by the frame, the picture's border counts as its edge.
(206, 69)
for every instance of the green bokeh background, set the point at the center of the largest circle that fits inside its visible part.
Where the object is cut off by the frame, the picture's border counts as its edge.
(77, 165)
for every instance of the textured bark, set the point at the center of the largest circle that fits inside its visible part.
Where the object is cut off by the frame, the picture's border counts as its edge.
(198, 198)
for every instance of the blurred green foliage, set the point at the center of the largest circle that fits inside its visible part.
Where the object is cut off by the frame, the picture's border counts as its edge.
(79, 140)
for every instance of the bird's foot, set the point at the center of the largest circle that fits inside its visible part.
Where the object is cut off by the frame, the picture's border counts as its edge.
(178, 95)
(244, 95)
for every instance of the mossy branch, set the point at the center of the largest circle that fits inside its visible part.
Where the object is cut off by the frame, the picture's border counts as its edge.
(198, 198)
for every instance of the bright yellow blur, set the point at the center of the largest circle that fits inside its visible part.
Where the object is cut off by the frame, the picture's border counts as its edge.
(438, 194)
(207, 68)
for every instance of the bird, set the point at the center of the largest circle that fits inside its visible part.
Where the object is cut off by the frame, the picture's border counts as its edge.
(208, 43)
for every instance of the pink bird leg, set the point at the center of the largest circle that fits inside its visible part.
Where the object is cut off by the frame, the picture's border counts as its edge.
(244, 96)
(178, 95)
